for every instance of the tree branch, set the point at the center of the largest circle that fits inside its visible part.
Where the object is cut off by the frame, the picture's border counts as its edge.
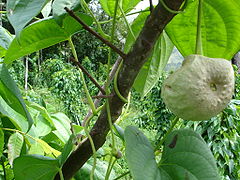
(132, 64)
(88, 75)
(87, 28)
(111, 76)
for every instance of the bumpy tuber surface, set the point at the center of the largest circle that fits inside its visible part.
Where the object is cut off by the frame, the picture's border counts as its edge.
(200, 89)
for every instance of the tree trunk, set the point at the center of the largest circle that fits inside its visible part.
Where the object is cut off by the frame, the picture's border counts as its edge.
(132, 64)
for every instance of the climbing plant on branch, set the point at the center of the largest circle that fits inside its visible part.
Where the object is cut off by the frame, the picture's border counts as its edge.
(206, 75)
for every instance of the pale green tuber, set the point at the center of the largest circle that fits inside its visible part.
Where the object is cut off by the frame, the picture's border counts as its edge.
(200, 89)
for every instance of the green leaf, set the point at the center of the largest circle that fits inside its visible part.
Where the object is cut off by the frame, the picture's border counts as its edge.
(187, 156)
(11, 94)
(140, 155)
(109, 6)
(66, 150)
(47, 148)
(17, 119)
(42, 34)
(1, 142)
(43, 112)
(220, 28)
(15, 144)
(63, 127)
(21, 12)
(35, 167)
(77, 129)
(5, 40)
(153, 68)
(36, 148)
(119, 131)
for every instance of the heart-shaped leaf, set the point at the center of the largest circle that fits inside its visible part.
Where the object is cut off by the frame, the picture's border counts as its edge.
(140, 155)
(43, 34)
(35, 167)
(187, 156)
(220, 28)
(21, 12)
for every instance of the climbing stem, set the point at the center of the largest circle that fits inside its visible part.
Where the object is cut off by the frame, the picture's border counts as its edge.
(198, 49)
(116, 86)
(176, 119)
(61, 174)
(91, 104)
(128, 25)
(89, 99)
(168, 9)
(109, 117)
(110, 169)
(101, 32)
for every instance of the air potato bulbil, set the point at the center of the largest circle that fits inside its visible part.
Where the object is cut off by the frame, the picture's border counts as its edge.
(200, 89)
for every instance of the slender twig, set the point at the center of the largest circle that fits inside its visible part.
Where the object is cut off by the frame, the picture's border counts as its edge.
(111, 76)
(151, 5)
(88, 75)
(87, 28)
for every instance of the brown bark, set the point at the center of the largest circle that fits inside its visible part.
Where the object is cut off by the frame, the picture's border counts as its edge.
(132, 64)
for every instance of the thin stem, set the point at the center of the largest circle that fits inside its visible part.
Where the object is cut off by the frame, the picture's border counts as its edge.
(110, 169)
(198, 49)
(168, 9)
(124, 174)
(176, 119)
(101, 32)
(92, 146)
(130, 14)
(88, 75)
(3, 12)
(87, 28)
(61, 174)
(111, 76)
(109, 117)
(128, 25)
(90, 101)
(116, 86)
